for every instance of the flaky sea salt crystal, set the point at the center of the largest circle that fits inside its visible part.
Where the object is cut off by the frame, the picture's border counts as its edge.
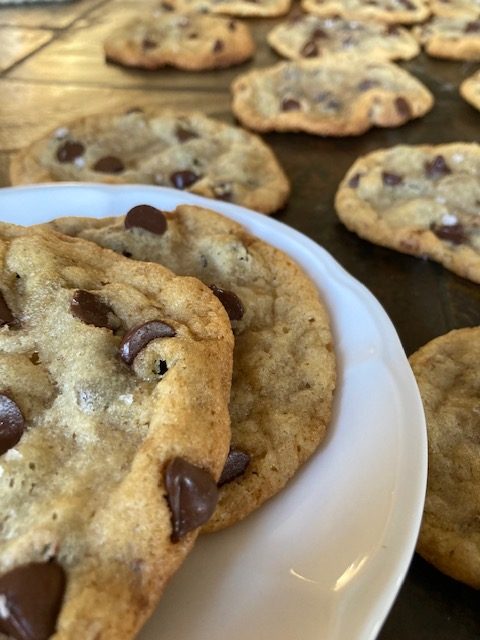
(79, 162)
(4, 610)
(458, 157)
(449, 219)
(13, 454)
(126, 398)
(60, 133)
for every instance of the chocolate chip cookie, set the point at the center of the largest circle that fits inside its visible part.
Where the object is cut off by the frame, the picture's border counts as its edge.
(186, 151)
(421, 200)
(447, 373)
(456, 8)
(390, 11)
(284, 362)
(330, 97)
(114, 428)
(454, 38)
(308, 36)
(183, 40)
(470, 90)
(241, 8)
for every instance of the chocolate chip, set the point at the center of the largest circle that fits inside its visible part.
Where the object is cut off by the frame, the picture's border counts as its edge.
(167, 6)
(454, 233)
(33, 595)
(6, 316)
(69, 150)
(232, 303)
(318, 33)
(138, 337)
(218, 46)
(392, 30)
(192, 36)
(403, 107)
(235, 466)
(134, 110)
(407, 4)
(354, 181)
(472, 27)
(290, 104)
(391, 179)
(148, 43)
(146, 217)
(192, 496)
(367, 84)
(223, 191)
(183, 134)
(161, 367)
(437, 168)
(109, 164)
(309, 49)
(88, 308)
(183, 179)
(232, 25)
(12, 423)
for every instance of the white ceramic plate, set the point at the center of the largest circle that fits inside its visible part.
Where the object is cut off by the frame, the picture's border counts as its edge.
(324, 559)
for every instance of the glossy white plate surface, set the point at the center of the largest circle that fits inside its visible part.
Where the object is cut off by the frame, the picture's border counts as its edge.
(324, 559)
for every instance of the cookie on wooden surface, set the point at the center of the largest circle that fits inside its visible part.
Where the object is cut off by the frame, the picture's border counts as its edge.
(331, 97)
(187, 41)
(448, 376)
(453, 38)
(470, 90)
(308, 36)
(421, 200)
(114, 389)
(187, 151)
(390, 11)
(284, 362)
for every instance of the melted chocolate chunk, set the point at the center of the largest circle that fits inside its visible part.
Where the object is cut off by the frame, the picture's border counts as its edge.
(437, 168)
(367, 84)
(290, 104)
(148, 43)
(192, 496)
(309, 49)
(235, 466)
(161, 367)
(12, 424)
(183, 134)
(109, 164)
(454, 233)
(392, 30)
(88, 308)
(6, 316)
(146, 217)
(232, 25)
(183, 179)
(167, 6)
(218, 46)
(391, 179)
(403, 107)
(472, 27)
(138, 337)
(69, 151)
(354, 181)
(318, 34)
(232, 303)
(33, 596)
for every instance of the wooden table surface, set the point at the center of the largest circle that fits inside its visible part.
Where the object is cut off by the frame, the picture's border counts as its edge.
(52, 70)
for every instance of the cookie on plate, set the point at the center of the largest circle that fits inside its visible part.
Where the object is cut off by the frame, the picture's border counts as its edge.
(470, 90)
(455, 8)
(308, 36)
(447, 374)
(331, 97)
(421, 200)
(114, 388)
(241, 8)
(453, 38)
(283, 363)
(187, 151)
(390, 11)
(186, 41)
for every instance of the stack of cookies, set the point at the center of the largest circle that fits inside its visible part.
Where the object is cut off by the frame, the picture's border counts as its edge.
(147, 391)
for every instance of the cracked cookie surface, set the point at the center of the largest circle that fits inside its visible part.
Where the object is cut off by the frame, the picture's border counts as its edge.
(328, 97)
(447, 374)
(186, 151)
(284, 361)
(90, 424)
(421, 200)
